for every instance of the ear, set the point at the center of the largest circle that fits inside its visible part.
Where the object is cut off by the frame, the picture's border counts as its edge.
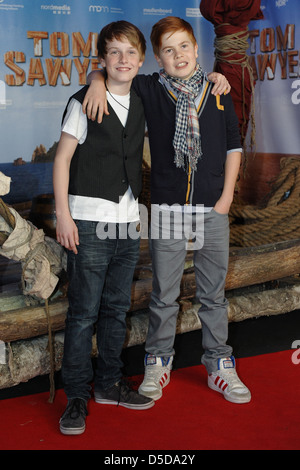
(102, 62)
(196, 50)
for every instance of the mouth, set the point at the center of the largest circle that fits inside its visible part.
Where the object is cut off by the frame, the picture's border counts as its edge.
(181, 65)
(123, 69)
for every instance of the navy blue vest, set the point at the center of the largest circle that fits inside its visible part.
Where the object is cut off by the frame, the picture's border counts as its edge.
(110, 159)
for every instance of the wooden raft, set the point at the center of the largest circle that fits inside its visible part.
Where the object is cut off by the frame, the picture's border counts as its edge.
(272, 233)
(247, 267)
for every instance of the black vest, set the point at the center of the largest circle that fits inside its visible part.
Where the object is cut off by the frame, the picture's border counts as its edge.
(110, 159)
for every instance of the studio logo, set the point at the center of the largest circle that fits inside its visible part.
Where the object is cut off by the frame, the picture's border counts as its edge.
(281, 3)
(296, 354)
(99, 8)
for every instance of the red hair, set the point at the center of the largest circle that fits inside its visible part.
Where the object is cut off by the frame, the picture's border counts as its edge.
(169, 24)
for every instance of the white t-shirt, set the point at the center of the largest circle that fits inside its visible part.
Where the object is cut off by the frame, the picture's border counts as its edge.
(91, 208)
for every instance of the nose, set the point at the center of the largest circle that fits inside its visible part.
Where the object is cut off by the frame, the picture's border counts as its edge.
(123, 58)
(178, 53)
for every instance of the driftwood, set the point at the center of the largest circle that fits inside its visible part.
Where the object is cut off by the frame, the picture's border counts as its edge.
(26, 359)
(247, 267)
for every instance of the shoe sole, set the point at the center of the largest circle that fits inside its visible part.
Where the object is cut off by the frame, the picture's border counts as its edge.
(144, 406)
(72, 431)
(240, 400)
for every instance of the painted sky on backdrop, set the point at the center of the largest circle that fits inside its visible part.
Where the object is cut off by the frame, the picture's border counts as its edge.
(31, 115)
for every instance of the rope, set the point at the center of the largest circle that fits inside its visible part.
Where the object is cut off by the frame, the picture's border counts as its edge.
(7, 215)
(278, 220)
(51, 354)
(226, 47)
(40, 247)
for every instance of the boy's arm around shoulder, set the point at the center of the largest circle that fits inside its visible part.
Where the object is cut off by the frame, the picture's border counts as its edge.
(95, 102)
(221, 84)
(66, 230)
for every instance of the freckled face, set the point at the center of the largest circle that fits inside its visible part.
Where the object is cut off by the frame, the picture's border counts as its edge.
(178, 55)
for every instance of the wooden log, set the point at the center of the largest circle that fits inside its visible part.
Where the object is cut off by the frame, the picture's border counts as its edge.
(26, 359)
(247, 266)
(31, 321)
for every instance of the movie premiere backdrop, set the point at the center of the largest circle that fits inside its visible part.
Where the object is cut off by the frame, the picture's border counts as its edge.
(49, 47)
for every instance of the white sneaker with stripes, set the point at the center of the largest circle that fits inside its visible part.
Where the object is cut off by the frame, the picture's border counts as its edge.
(157, 375)
(226, 381)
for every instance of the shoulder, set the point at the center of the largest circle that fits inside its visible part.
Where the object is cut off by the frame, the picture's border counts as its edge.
(80, 94)
(142, 82)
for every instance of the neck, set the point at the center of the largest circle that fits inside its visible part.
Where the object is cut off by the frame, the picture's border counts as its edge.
(120, 89)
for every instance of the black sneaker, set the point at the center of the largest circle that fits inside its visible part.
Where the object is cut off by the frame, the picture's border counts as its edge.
(122, 394)
(72, 421)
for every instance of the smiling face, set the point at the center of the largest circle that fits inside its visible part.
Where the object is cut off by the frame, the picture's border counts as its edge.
(122, 62)
(177, 54)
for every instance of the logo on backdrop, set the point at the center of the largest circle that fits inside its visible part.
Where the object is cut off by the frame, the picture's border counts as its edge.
(273, 51)
(281, 3)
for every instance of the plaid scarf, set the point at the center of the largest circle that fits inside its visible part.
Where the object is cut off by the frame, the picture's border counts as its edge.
(187, 139)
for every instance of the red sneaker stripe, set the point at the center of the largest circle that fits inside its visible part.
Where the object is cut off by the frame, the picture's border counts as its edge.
(219, 382)
(163, 379)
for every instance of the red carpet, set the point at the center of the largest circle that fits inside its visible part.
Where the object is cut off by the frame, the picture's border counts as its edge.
(189, 416)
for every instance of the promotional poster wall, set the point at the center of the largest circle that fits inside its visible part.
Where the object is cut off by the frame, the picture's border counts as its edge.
(49, 47)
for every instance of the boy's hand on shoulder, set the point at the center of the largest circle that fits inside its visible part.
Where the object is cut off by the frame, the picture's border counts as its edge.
(221, 84)
(95, 101)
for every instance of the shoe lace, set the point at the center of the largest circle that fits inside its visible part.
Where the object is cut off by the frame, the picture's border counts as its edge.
(125, 389)
(76, 408)
(155, 373)
(231, 377)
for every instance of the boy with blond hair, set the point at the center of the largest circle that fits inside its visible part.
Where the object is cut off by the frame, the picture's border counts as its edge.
(195, 158)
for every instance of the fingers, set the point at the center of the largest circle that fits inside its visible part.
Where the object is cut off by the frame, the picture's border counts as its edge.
(93, 108)
(102, 109)
(221, 86)
(90, 108)
(70, 243)
(228, 88)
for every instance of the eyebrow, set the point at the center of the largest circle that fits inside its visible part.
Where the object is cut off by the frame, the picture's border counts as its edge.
(117, 47)
(180, 44)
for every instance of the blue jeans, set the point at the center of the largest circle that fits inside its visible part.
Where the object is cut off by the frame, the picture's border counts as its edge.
(100, 278)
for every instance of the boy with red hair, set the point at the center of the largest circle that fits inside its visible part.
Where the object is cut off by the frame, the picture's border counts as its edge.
(195, 158)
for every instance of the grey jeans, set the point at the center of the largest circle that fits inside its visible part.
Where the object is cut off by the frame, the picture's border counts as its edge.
(211, 264)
